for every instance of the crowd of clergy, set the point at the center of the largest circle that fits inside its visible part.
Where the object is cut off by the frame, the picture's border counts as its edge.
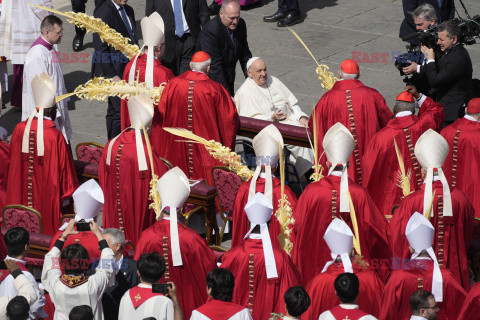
(382, 233)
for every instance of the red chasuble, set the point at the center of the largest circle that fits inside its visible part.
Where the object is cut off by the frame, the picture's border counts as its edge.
(41, 182)
(380, 163)
(471, 306)
(241, 225)
(220, 310)
(252, 288)
(323, 296)
(450, 246)
(359, 108)
(198, 260)
(4, 165)
(125, 188)
(317, 206)
(161, 75)
(416, 275)
(462, 167)
(85, 238)
(203, 106)
(346, 314)
(139, 295)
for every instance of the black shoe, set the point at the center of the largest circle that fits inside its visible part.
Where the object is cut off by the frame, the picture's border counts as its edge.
(77, 43)
(277, 16)
(214, 8)
(290, 20)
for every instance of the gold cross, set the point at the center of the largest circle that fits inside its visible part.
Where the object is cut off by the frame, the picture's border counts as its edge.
(137, 297)
(346, 318)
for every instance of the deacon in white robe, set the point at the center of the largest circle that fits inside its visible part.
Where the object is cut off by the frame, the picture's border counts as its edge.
(42, 57)
(265, 97)
(135, 306)
(24, 288)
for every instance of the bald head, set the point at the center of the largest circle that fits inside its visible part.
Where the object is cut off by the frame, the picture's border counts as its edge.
(230, 14)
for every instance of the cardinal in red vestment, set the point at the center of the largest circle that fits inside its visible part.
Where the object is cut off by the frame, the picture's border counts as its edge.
(187, 257)
(194, 102)
(471, 305)
(327, 199)
(41, 173)
(359, 108)
(265, 144)
(147, 67)
(263, 272)
(5, 161)
(421, 272)
(339, 239)
(381, 169)
(462, 167)
(449, 211)
(125, 173)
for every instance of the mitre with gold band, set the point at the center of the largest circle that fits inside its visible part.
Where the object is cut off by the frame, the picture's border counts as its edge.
(153, 32)
(140, 111)
(431, 150)
(44, 96)
(266, 146)
(338, 144)
(173, 188)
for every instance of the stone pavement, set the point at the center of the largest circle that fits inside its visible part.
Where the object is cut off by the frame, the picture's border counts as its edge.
(333, 29)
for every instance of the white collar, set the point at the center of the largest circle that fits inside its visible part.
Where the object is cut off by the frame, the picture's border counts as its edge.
(46, 40)
(470, 118)
(166, 218)
(143, 285)
(417, 318)
(44, 117)
(349, 306)
(336, 173)
(403, 114)
(15, 259)
(422, 258)
(289, 318)
(435, 178)
(116, 5)
(263, 175)
(255, 236)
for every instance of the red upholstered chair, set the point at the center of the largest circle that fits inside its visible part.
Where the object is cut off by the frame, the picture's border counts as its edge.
(89, 155)
(227, 184)
(66, 218)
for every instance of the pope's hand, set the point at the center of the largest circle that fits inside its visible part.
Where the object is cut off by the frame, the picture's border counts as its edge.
(278, 116)
(303, 122)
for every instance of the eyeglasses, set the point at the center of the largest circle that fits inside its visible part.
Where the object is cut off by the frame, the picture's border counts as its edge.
(60, 33)
(435, 307)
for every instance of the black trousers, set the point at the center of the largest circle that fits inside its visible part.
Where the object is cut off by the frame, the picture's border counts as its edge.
(113, 117)
(288, 6)
(79, 6)
(184, 50)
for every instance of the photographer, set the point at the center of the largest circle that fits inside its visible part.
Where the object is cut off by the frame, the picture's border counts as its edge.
(451, 76)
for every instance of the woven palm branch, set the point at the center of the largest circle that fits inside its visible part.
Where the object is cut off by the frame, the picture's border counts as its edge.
(428, 214)
(324, 74)
(317, 174)
(284, 213)
(96, 25)
(403, 179)
(102, 88)
(353, 217)
(216, 150)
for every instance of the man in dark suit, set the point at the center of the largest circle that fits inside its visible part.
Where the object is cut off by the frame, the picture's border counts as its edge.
(288, 13)
(224, 38)
(126, 276)
(445, 11)
(452, 77)
(108, 62)
(79, 6)
(183, 24)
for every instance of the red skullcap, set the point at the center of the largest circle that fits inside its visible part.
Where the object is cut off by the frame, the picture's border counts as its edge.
(200, 56)
(474, 106)
(405, 96)
(349, 66)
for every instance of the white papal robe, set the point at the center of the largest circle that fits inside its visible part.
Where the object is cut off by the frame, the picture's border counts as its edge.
(159, 307)
(260, 102)
(39, 59)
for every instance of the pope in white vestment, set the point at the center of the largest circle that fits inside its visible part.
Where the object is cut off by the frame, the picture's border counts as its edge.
(42, 57)
(266, 98)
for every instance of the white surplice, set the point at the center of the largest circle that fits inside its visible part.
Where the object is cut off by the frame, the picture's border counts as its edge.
(39, 60)
(327, 315)
(260, 102)
(159, 307)
(24, 288)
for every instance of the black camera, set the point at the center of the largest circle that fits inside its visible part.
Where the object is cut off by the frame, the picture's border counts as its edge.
(161, 288)
(83, 225)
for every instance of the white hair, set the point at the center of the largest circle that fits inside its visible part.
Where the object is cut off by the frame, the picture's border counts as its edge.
(200, 66)
(116, 234)
(349, 76)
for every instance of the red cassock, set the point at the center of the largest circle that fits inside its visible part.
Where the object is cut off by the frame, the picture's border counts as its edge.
(367, 113)
(212, 115)
(451, 246)
(471, 306)
(198, 260)
(41, 182)
(322, 292)
(252, 288)
(241, 225)
(380, 163)
(161, 75)
(4, 165)
(3, 248)
(462, 167)
(317, 206)
(417, 275)
(125, 188)
(85, 238)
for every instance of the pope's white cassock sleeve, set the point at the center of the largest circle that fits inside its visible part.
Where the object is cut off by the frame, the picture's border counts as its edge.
(39, 60)
(159, 307)
(89, 293)
(241, 315)
(24, 287)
